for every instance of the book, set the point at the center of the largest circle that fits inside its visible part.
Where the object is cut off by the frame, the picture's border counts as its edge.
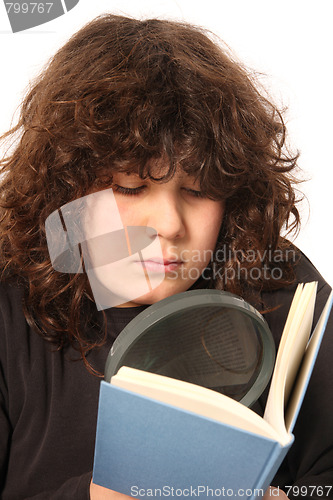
(158, 436)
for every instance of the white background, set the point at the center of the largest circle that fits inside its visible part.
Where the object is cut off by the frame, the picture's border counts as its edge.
(289, 41)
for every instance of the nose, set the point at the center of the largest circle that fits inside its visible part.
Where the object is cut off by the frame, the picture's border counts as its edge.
(167, 216)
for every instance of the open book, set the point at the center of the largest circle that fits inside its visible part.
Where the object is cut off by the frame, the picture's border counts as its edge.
(156, 433)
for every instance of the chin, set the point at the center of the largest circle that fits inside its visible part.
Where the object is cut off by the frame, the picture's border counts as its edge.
(162, 292)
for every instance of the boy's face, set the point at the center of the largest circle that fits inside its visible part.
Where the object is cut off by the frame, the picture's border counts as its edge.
(187, 226)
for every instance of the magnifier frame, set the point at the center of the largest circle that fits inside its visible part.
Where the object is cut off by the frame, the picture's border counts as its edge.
(195, 299)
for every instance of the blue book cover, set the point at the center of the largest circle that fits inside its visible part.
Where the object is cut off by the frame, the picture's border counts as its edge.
(144, 447)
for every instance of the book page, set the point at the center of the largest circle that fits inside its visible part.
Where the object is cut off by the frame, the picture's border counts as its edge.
(228, 344)
(195, 399)
(297, 342)
(306, 368)
(291, 350)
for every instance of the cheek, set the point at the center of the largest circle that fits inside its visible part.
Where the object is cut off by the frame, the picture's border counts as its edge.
(210, 223)
(128, 215)
(205, 231)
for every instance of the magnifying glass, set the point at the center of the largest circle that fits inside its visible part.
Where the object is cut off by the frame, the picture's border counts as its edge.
(210, 338)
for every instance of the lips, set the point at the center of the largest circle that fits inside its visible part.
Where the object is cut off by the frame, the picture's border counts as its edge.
(161, 265)
(164, 261)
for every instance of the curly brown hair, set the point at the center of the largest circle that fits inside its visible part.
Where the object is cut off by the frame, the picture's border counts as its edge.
(120, 93)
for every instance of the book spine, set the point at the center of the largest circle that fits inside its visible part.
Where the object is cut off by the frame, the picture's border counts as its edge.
(267, 474)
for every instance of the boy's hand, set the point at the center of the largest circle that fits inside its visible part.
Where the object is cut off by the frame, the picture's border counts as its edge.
(100, 493)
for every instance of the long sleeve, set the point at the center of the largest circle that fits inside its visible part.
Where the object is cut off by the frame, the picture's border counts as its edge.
(48, 409)
(76, 488)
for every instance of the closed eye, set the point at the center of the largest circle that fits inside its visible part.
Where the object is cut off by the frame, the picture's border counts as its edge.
(127, 190)
(194, 192)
